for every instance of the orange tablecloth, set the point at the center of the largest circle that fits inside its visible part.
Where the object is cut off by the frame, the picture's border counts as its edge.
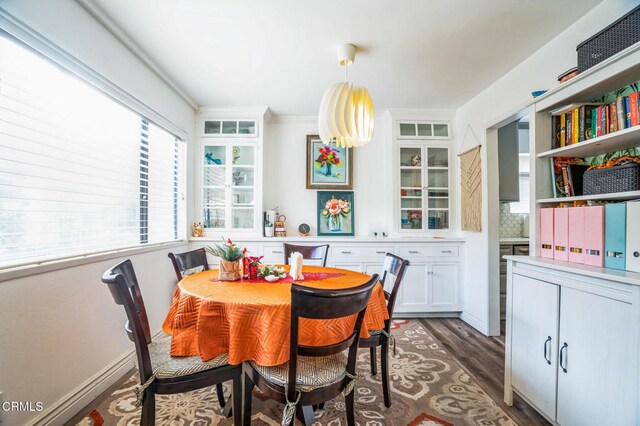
(251, 321)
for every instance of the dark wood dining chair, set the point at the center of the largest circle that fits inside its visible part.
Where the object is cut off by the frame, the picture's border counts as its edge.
(308, 252)
(160, 373)
(319, 373)
(185, 264)
(394, 268)
(189, 262)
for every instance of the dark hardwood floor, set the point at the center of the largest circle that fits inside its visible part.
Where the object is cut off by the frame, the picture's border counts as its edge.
(483, 358)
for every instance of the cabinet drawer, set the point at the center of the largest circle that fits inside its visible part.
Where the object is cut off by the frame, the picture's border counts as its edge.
(426, 251)
(352, 252)
(273, 253)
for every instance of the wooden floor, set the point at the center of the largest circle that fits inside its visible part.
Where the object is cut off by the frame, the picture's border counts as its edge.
(483, 358)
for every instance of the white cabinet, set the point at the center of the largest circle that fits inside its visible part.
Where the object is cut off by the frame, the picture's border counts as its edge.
(229, 168)
(572, 343)
(595, 379)
(423, 190)
(442, 283)
(430, 286)
(534, 344)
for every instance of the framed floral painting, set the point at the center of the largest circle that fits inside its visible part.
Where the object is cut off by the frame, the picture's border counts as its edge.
(335, 213)
(328, 166)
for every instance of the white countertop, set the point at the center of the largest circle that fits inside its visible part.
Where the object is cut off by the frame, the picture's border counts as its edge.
(336, 240)
(514, 240)
(626, 277)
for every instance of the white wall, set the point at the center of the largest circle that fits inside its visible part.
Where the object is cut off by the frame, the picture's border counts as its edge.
(285, 176)
(61, 328)
(504, 96)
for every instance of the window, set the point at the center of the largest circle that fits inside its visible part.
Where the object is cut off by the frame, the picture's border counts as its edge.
(79, 172)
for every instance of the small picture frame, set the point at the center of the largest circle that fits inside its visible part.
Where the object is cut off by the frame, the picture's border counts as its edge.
(328, 166)
(336, 213)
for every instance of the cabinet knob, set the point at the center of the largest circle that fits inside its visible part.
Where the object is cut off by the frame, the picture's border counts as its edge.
(446, 251)
(413, 252)
(277, 251)
(345, 252)
(381, 252)
(636, 254)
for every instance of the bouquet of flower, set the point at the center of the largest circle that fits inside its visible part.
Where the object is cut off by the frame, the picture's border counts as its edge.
(334, 210)
(415, 218)
(272, 270)
(328, 157)
(335, 207)
(227, 251)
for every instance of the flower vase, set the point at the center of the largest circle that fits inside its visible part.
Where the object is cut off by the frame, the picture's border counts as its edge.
(335, 223)
(229, 270)
(253, 272)
(328, 171)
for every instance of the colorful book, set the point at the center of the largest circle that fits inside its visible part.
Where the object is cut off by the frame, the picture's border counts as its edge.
(620, 115)
(633, 108)
(555, 132)
(603, 120)
(574, 126)
(563, 130)
(584, 123)
(613, 126)
(594, 122)
(568, 130)
(627, 106)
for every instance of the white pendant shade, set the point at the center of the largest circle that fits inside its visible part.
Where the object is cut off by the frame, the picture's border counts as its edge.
(346, 116)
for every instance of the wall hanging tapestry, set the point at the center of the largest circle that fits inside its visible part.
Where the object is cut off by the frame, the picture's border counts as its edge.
(471, 183)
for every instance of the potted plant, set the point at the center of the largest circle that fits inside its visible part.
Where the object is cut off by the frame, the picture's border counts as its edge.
(254, 264)
(230, 255)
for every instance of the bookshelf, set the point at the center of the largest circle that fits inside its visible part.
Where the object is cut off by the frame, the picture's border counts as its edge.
(622, 139)
(617, 71)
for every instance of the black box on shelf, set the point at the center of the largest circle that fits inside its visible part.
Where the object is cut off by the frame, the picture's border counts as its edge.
(616, 37)
(613, 179)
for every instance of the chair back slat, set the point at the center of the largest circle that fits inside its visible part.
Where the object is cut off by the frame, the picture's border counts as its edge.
(123, 285)
(188, 260)
(308, 252)
(314, 303)
(326, 350)
(393, 266)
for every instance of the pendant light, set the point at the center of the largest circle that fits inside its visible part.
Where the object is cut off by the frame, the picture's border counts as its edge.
(346, 110)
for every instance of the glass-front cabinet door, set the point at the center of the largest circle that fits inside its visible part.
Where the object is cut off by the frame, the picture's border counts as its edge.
(229, 186)
(424, 188)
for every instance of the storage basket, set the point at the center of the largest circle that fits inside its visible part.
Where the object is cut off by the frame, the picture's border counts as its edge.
(613, 179)
(616, 37)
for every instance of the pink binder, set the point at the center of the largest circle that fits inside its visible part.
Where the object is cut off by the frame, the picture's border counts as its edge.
(561, 234)
(594, 236)
(576, 234)
(546, 233)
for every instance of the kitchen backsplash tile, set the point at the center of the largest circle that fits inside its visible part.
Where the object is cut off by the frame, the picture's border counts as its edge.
(510, 223)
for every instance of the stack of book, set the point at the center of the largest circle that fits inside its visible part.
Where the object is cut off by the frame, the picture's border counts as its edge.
(576, 123)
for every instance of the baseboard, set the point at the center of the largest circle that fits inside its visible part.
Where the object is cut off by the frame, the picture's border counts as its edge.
(475, 323)
(427, 315)
(64, 409)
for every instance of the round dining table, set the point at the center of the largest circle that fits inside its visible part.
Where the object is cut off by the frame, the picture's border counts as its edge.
(250, 319)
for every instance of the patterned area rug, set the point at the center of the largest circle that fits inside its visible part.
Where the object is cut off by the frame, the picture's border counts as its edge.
(429, 388)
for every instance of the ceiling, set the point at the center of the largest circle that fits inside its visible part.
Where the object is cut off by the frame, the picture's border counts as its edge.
(282, 53)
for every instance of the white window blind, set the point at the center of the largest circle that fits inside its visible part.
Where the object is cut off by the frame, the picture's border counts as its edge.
(72, 161)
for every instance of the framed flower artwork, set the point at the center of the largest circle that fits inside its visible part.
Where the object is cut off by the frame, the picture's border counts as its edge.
(328, 166)
(335, 213)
